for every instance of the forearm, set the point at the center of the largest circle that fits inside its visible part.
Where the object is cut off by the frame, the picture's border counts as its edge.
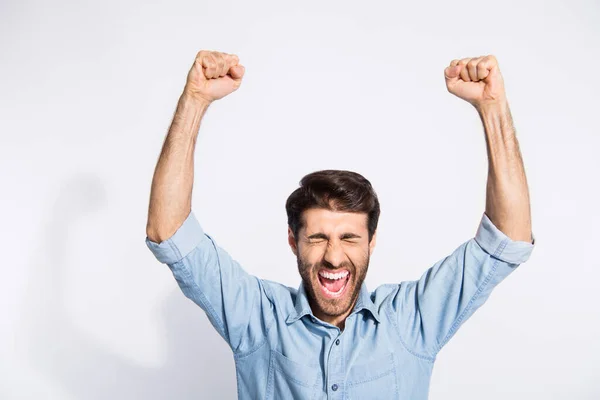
(171, 193)
(507, 197)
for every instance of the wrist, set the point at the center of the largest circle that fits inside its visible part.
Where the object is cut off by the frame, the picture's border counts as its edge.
(194, 100)
(485, 109)
(497, 121)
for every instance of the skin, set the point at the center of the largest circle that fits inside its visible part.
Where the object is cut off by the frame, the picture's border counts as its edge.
(479, 81)
(214, 75)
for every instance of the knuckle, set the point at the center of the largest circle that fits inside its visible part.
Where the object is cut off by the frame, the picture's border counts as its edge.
(205, 54)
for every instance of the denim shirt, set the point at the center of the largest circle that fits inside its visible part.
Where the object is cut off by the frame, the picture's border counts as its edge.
(390, 340)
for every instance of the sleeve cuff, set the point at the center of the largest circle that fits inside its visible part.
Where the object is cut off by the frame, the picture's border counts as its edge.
(497, 244)
(188, 236)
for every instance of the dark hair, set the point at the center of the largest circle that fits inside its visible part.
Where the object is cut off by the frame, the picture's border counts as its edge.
(333, 190)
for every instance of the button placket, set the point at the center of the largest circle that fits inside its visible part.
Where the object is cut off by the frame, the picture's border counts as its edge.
(335, 367)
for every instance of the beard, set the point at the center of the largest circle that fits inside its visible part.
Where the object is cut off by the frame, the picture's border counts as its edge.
(336, 306)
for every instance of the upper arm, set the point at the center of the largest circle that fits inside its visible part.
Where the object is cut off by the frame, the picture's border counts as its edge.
(432, 308)
(236, 303)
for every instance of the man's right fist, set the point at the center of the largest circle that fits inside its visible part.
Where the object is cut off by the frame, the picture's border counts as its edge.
(214, 75)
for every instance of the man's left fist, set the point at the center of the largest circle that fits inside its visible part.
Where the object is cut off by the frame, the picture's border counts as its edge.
(476, 80)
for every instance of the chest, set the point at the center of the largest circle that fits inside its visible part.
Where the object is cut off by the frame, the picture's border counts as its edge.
(308, 360)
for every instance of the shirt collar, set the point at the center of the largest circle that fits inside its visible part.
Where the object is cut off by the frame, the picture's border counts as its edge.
(302, 306)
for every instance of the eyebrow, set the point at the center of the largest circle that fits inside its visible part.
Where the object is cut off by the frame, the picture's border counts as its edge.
(347, 235)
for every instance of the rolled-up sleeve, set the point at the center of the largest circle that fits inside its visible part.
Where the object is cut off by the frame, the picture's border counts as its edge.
(500, 246)
(431, 309)
(186, 239)
(235, 302)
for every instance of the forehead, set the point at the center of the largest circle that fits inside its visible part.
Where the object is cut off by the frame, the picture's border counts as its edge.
(320, 220)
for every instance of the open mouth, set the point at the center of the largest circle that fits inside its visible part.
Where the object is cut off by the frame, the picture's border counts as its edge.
(333, 284)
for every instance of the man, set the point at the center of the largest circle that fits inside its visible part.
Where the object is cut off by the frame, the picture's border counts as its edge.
(332, 338)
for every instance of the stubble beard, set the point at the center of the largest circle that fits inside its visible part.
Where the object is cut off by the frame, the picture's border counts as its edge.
(332, 307)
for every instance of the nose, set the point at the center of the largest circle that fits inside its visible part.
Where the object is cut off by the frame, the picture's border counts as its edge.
(334, 254)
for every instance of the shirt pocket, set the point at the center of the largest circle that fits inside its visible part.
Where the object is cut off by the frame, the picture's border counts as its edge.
(375, 379)
(291, 380)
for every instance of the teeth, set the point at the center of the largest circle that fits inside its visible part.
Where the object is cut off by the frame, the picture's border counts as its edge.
(334, 276)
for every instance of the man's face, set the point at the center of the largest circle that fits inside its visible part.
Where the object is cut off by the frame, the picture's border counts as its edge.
(333, 253)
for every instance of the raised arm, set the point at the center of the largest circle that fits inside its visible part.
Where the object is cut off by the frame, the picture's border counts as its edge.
(235, 302)
(431, 309)
(479, 81)
(213, 76)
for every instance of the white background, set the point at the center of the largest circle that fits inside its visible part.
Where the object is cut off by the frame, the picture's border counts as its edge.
(87, 92)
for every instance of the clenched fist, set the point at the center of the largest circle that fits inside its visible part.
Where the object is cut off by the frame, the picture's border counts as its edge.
(214, 75)
(476, 80)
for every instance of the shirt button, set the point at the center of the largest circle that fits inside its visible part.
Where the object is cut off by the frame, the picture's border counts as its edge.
(334, 387)
(337, 342)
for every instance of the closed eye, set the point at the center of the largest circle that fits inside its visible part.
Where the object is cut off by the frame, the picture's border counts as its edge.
(348, 237)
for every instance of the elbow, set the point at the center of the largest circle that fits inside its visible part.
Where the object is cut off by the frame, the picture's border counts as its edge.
(161, 227)
(153, 235)
(157, 235)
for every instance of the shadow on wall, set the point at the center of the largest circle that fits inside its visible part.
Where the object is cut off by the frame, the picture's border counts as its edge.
(85, 369)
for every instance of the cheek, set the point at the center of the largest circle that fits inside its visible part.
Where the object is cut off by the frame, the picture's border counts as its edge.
(359, 257)
(305, 262)
(311, 255)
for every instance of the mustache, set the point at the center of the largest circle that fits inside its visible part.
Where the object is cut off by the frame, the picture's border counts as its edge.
(346, 265)
(326, 265)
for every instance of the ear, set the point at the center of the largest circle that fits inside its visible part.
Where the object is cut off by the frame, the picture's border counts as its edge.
(373, 242)
(292, 241)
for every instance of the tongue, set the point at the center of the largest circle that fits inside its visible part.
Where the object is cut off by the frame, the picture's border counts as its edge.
(333, 285)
